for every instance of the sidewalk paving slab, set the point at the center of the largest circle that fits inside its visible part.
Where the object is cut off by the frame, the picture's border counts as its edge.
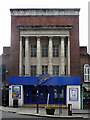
(42, 113)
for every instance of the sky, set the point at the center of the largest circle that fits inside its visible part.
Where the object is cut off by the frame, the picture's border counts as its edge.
(5, 16)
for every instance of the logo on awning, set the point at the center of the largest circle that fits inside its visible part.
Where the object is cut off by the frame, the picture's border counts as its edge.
(43, 78)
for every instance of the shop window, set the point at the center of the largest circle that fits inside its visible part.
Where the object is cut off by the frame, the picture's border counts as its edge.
(55, 50)
(33, 70)
(61, 96)
(44, 50)
(44, 69)
(47, 92)
(56, 70)
(27, 94)
(33, 96)
(41, 96)
(33, 50)
(55, 96)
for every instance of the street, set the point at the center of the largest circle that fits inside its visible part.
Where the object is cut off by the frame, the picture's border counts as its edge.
(15, 116)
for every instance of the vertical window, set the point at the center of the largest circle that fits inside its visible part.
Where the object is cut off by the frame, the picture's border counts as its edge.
(23, 45)
(61, 95)
(44, 50)
(55, 96)
(27, 96)
(56, 70)
(65, 70)
(33, 50)
(23, 69)
(86, 73)
(65, 47)
(33, 96)
(47, 92)
(41, 96)
(55, 50)
(33, 70)
(44, 69)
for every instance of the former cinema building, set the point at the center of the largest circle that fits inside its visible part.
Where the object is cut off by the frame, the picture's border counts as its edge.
(45, 57)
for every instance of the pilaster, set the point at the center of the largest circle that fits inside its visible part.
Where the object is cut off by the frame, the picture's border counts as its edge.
(62, 57)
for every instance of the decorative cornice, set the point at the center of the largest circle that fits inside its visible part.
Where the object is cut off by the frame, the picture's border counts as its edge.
(44, 12)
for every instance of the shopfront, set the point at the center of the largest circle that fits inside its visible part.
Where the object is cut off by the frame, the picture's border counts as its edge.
(57, 94)
(58, 90)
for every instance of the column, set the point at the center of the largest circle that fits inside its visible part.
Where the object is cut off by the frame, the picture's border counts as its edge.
(38, 57)
(68, 56)
(27, 66)
(62, 57)
(20, 58)
(50, 69)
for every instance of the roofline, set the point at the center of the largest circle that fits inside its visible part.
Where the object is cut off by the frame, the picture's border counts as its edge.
(44, 11)
(61, 9)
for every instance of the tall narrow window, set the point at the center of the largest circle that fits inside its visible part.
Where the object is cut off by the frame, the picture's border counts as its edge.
(44, 69)
(33, 96)
(41, 93)
(65, 46)
(56, 70)
(33, 70)
(44, 50)
(55, 96)
(23, 44)
(55, 50)
(65, 70)
(23, 69)
(33, 50)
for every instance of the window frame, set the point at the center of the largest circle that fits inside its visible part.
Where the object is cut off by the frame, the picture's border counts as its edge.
(56, 50)
(33, 50)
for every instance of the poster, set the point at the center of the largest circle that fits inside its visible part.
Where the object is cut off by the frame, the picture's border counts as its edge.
(16, 92)
(73, 94)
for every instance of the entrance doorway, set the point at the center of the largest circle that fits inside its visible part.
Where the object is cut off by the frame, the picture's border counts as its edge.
(57, 94)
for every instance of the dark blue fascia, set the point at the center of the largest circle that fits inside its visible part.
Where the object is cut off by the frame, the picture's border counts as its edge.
(53, 81)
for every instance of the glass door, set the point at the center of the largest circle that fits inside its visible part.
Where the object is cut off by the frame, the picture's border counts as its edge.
(27, 96)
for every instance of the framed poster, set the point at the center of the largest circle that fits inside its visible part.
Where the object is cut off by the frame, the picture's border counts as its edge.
(16, 92)
(73, 94)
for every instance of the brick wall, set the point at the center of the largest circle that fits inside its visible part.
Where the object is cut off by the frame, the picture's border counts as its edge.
(45, 20)
(84, 59)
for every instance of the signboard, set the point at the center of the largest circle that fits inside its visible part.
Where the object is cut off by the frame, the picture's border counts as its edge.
(43, 78)
(73, 94)
(16, 92)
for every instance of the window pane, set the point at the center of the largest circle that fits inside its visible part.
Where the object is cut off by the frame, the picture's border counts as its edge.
(44, 50)
(23, 69)
(47, 92)
(33, 96)
(61, 95)
(27, 95)
(55, 50)
(33, 50)
(44, 69)
(41, 96)
(55, 96)
(33, 70)
(56, 70)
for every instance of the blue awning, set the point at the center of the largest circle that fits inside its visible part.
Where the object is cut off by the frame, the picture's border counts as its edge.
(52, 81)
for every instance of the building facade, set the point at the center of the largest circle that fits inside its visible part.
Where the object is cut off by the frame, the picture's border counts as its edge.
(85, 77)
(45, 56)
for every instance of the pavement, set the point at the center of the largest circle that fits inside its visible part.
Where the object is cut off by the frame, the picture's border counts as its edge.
(59, 113)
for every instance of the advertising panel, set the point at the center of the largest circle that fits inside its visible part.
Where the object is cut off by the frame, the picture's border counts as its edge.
(16, 92)
(73, 94)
